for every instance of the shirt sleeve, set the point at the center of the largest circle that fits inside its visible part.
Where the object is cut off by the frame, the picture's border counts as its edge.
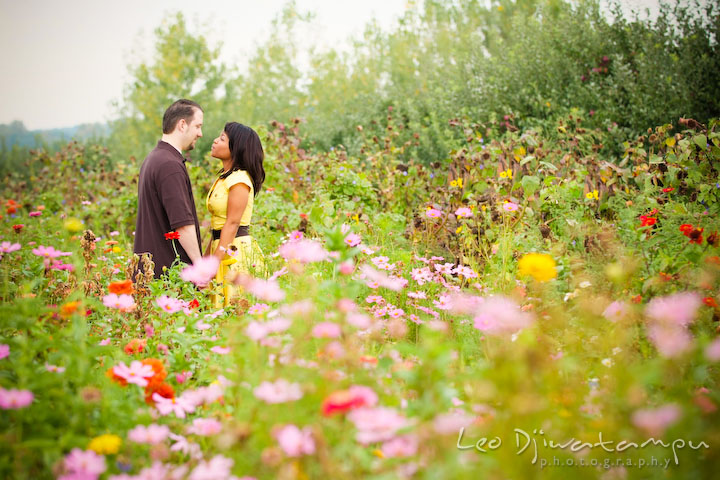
(238, 176)
(175, 199)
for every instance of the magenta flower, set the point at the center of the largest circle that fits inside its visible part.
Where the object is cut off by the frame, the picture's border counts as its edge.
(353, 240)
(220, 350)
(376, 424)
(152, 434)
(202, 271)
(36, 213)
(54, 368)
(463, 212)
(295, 442)
(136, 373)
(179, 405)
(258, 309)
(4, 351)
(169, 304)
(403, 446)
(218, 468)
(280, 391)
(499, 315)
(49, 252)
(433, 213)
(205, 427)
(122, 302)
(84, 464)
(15, 399)
(7, 247)
(326, 330)
(303, 251)
(678, 308)
(510, 206)
(616, 311)
(655, 421)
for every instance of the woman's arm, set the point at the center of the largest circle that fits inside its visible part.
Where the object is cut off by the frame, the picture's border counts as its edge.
(237, 201)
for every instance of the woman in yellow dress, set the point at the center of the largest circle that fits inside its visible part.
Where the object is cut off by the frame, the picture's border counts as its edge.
(230, 202)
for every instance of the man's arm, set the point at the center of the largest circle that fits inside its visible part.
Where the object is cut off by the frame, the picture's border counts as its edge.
(188, 240)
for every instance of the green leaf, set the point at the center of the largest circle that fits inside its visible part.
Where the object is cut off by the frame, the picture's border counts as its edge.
(701, 141)
(530, 184)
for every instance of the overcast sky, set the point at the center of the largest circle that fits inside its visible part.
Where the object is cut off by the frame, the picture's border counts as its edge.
(64, 62)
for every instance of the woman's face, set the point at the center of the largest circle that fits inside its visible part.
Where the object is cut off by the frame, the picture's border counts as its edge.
(221, 147)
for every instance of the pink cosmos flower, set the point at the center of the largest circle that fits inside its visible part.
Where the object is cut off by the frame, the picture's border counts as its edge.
(205, 427)
(464, 271)
(202, 271)
(464, 304)
(417, 295)
(617, 310)
(49, 252)
(58, 265)
(391, 283)
(267, 290)
(220, 350)
(4, 351)
(84, 464)
(396, 313)
(358, 320)
(179, 405)
(15, 399)
(375, 299)
(463, 212)
(433, 213)
(669, 339)
(258, 309)
(152, 434)
(218, 468)
(346, 305)
(303, 251)
(678, 308)
(376, 424)
(367, 250)
(353, 240)
(403, 446)
(122, 302)
(136, 373)
(104, 342)
(379, 261)
(256, 331)
(655, 421)
(326, 330)
(443, 302)
(499, 315)
(295, 442)
(280, 391)
(296, 235)
(169, 304)
(347, 267)
(7, 247)
(510, 206)
(54, 368)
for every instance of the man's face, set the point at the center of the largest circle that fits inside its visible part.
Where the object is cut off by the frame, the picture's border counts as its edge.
(193, 130)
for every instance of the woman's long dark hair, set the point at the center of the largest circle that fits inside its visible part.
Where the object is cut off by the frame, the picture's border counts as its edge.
(246, 152)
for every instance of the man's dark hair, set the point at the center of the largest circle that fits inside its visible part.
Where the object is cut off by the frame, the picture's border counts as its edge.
(181, 109)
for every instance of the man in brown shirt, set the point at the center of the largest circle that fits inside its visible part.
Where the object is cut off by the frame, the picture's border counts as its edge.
(165, 198)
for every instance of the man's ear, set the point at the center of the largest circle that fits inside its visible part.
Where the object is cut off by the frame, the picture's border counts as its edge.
(182, 125)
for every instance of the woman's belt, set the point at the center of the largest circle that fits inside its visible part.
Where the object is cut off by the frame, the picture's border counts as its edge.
(242, 231)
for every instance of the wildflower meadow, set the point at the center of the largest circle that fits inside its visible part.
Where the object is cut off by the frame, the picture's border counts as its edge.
(537, 301)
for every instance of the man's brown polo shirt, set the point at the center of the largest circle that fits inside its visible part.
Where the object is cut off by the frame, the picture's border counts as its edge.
(165, 203)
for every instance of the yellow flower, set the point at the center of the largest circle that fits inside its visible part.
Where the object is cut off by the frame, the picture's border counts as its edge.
(73, 225)
(540, 266)
(116, 249)
(378, 453)
(459, 229)
(503, 174)
(453, 183)
(107, 444)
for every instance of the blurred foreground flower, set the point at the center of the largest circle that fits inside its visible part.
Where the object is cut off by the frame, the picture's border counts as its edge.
(15, 399)
(655, 421)
(202, 271)
(540, 266)
(295, 442)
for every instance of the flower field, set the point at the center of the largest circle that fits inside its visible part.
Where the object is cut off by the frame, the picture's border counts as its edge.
(532, 305)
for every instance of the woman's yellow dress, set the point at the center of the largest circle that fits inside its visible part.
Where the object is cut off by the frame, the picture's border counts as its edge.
(246, 254)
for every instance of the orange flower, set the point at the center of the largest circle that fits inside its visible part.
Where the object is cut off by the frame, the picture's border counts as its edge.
(135, 346)
(368, 359)
(159, 371)
(162, 389)
(69, 308)
(710, 302)
(119, 288)
(11, 209)
(111, 375)
(636, 299)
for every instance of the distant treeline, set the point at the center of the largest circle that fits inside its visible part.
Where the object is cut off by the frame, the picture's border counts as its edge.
(508, 65)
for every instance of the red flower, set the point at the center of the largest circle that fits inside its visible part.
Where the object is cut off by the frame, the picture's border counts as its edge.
(685, 228)
(695, 235)
(646, 221)
(636, 299)
(303, 215)
(18, 228)
(11, 209)
(668, 189)
(194, 303)
(710, 302)
(135, 346)
(172, 236)
(713, 239)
